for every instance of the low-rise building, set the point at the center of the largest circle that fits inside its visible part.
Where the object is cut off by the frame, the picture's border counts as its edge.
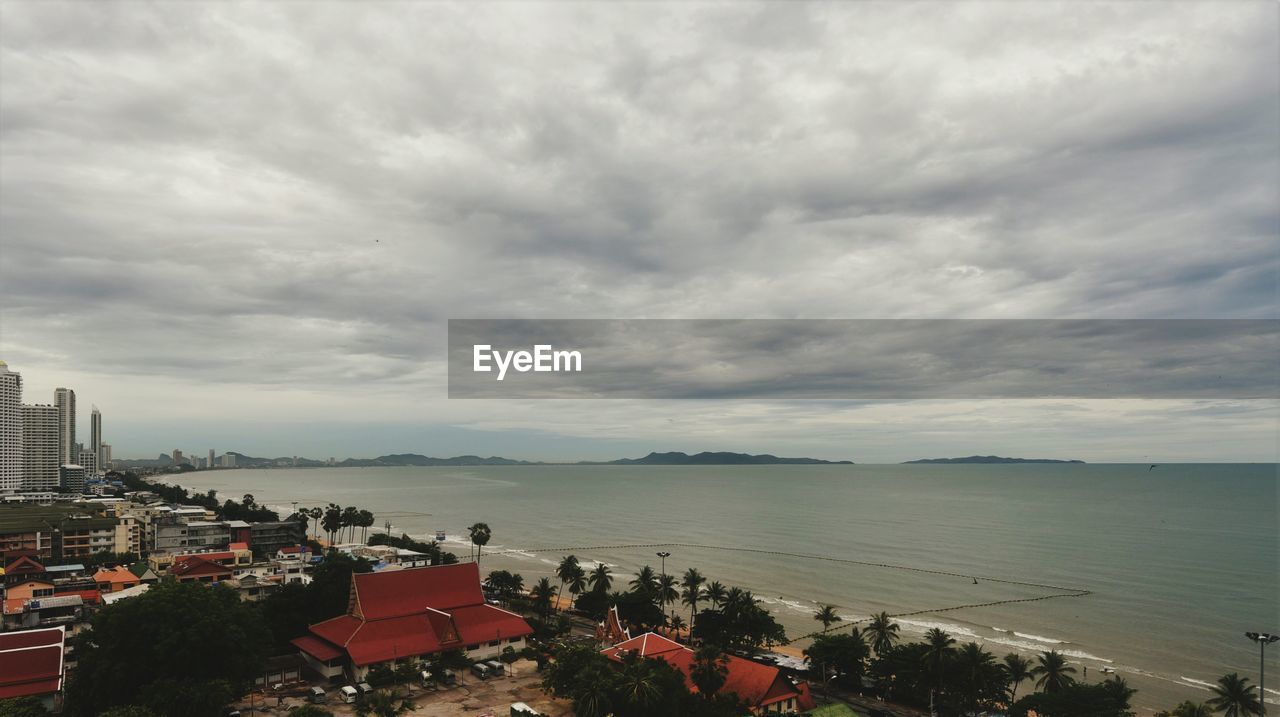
(31, 665)
(110, 580)
(193, 568)
(267, 538)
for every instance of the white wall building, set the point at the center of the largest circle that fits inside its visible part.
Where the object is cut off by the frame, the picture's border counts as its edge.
(39, 448)
(64, 399)
(11, 468)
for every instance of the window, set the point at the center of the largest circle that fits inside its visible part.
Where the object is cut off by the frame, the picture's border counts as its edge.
(514, 640)
(473, 647)
(495, 643)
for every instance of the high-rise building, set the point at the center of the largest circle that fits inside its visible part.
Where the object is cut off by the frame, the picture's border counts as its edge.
(228, 460)
(105, 463)
(39, 448)
(64, 399)
(95, 435)
(177, 457)
(211, 463)
(11, 468)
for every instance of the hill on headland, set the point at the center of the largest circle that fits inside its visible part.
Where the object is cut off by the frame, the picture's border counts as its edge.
(717, 458)
(990, 459)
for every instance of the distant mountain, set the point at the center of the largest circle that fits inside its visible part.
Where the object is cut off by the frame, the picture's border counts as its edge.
(718, 458)
(416, 459)
(990, 459)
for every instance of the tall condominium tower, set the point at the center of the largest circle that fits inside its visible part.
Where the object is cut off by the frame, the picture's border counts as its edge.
(95, 436)
(64, 399)
(10, 430)
(210, 458)
(40, 448)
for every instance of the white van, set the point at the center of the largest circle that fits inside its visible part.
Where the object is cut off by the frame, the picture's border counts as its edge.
(316, 695)
(496, 669)
(480, 670)
(349, 694)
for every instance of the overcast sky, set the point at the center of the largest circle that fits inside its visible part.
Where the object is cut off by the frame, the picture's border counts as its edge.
(245, 226)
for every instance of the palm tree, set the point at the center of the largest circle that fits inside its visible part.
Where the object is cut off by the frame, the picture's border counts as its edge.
(367, 520)
(939, 647)
(601, 579)
(1053, 674)
(480, 535)
(1016, 669)
(978, 671)
(315, 514)
(716, 593)
(564, 571)
(826, 615)
(639, 687)
(1119, 691)
(882, 632)
(645, 582)
(350, 516)
(677, 624)
(577, 582)
(691, 587)
(381, 704)
(1233, 696)
(667, 592)
(542, 592)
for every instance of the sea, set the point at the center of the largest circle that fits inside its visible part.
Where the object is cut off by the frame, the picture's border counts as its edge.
(1155, 573)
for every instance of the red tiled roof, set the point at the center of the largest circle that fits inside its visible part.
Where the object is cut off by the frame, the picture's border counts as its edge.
(23, 564)
(196, 566)
(413, 612)
(409, 592)
(30, 662)
(756, 684)
(317, 648)
(289, 549)
(238, 546)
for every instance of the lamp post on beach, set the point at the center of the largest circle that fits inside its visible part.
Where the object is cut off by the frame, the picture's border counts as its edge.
(1263, 639)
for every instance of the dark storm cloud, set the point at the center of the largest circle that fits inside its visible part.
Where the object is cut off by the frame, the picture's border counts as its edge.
(267, 194)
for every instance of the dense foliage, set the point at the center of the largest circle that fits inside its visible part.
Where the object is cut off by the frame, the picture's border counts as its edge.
(180, 648)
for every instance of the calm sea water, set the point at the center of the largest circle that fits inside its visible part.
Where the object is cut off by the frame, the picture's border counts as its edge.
(1180, 560)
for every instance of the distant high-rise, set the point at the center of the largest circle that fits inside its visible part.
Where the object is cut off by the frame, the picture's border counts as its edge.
(211, 463)
(177, 457)
(72, 478)
(106, 457)
(95, 435)
(11, 469)
(228, 460)
(64, 399)
(39, 448)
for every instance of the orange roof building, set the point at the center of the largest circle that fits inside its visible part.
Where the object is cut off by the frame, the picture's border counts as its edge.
(401, 616)
(763, 687)
(115, 579)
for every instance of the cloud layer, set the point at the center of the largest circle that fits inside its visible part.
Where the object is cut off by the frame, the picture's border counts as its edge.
(249, 200)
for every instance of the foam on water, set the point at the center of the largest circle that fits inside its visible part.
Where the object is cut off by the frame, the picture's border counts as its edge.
(1198, 683)
(1037, 638)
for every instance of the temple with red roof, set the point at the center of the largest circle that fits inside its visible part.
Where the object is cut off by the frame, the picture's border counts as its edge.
(31, 664)
(763, 688)
(405, 615)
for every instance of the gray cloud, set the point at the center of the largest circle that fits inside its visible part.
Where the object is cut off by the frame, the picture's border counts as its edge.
(244, 196)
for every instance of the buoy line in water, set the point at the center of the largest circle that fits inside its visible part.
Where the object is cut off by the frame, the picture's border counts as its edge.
(1059, 590)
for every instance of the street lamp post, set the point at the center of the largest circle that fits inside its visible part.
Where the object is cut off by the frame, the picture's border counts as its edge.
(1263, 639)
(661, 597)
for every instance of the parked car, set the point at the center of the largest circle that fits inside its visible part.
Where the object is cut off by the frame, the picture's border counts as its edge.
(448, 677)
(496, 668)
(316, 695)
(364, 688)
(480, 670)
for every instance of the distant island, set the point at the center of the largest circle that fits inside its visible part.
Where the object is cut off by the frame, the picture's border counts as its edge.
(989, 459)
(674, 458)
(717, 458)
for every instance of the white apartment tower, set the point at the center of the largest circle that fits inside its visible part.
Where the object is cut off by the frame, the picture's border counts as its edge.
(39, 448)
(11, 469)
(95, 435)
(64, 399)
(89, 462)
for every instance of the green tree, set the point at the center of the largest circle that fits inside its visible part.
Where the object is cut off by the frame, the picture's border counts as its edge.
(601, 579)
(565, 570)
(1052, 672)
(577, 582)
(1188, 709)
(480, 535)
(845, 655)
(542, 593)
(646, 583)
(1119, 691)
(709, 671)
(1233, 696)
(667, 592)
(827, 615)
(691, 590)
(716, 594)
(185, 639)
(979, 679)
(1072, 700)
(1017, 669)
(939, 647)
(882, 632)
(23, 707)
(131, 710)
